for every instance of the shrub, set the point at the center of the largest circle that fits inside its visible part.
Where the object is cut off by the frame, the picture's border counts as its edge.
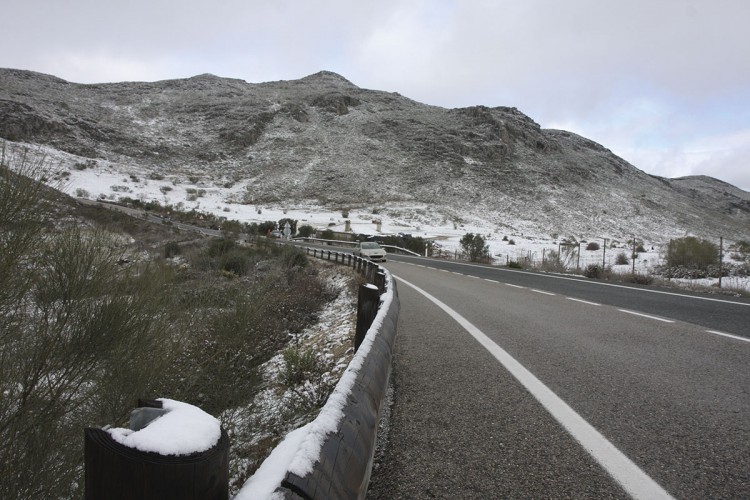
(293, 257)
(594, 271)
(592, 246)
(327, 234)
(514, 264)
(474, 247)
(299, 366)
(235, 262)
(171, 249)
(219, 247)
(305, 231)
(511, 242)
(622, 259)
(692, 252)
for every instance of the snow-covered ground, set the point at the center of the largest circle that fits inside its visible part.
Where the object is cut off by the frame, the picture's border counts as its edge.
(223, 197)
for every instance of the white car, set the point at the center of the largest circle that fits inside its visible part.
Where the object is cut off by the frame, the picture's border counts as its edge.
(370, 250)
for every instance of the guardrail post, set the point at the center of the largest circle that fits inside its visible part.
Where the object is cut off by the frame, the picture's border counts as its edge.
(349, 260)
(113, 470)
(380, 281)
(367, 308)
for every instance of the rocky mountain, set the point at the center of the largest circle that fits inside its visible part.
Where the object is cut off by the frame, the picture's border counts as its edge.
(324, 141)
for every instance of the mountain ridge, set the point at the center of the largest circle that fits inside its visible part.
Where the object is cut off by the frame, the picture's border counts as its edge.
(325, 140)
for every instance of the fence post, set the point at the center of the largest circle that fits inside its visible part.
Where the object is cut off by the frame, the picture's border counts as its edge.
(367, 308)
(721, 258)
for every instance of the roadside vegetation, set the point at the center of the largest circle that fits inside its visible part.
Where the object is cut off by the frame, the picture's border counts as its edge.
(98, 309)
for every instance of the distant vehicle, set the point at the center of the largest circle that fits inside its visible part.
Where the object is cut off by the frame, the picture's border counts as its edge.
(370, 250)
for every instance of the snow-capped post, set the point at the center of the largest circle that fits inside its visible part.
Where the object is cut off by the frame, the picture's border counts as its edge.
(367, 307)
(171, 450)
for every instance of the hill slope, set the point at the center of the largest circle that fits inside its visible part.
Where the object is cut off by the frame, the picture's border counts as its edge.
(325, 141)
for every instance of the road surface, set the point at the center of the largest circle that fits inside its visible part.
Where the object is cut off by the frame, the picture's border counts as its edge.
(513, 385)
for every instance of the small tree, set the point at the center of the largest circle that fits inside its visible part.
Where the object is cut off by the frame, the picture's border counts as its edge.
(474, 247)
(692, 252)
(592, 245)
(305, 231)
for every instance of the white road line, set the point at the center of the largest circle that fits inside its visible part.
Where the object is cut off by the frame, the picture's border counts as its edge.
(542, 291)
(634, 480)
(514, 286)
(736, 337)
(599, 283)
(456, 272)
(583, 301)
(646, 316)
(491, 281)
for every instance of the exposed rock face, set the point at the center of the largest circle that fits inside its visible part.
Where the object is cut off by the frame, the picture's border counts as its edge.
(323, 138)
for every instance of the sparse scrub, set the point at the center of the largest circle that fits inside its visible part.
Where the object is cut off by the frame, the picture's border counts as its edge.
(622, 259)
(691, 252)
(592, 246)
(171, 249)
(514, 264)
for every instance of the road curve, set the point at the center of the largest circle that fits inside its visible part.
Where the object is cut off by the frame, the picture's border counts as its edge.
(669, 396)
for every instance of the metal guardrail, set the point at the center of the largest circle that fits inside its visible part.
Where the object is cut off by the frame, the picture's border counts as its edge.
(345, 454)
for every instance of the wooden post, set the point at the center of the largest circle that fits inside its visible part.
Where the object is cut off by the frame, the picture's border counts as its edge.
(633, 255)
(380, 281)
(721, 258)
(367, 308)
(604, 255)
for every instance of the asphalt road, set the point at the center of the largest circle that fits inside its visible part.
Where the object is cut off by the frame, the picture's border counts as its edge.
(716, 312)
(669, 397)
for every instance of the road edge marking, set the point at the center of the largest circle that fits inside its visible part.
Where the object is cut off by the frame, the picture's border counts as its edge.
(642, 315)
(623, 470)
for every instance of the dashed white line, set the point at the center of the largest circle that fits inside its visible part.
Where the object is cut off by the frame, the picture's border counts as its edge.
(542, 291)
(583, 301)
(514, 286)
(491, 281)
(646, 316)
(634, 480)
(736, 337)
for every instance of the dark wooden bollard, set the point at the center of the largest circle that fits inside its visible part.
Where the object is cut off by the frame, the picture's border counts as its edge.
(380, 281)
(117, 472)
(367, 308)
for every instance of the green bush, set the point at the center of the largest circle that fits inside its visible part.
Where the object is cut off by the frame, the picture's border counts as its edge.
(219, 247)
(293, 257)
(474, 247)
(622, 259)
(592, 246)
(299, 365)
(305, 231)
(514, 264)
(171, 249)
(691, 252)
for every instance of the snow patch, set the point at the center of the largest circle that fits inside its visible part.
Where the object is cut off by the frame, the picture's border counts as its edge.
(183, 430)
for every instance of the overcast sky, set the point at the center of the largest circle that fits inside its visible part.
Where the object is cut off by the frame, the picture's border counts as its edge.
(663, 83)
